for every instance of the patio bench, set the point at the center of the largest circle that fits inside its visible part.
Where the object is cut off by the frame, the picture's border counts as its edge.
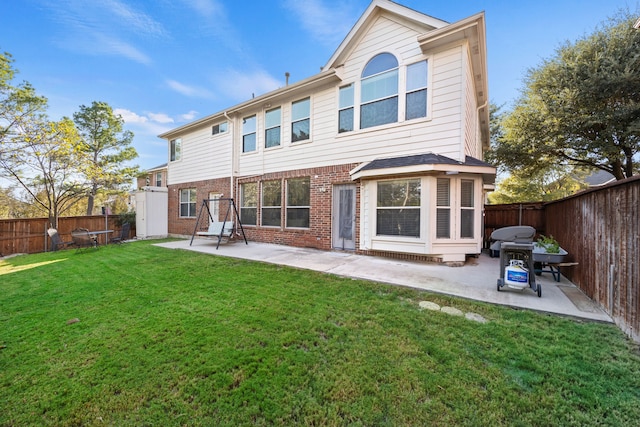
(218, 229)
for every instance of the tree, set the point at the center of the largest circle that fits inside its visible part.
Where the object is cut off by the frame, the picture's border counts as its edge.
(44, 161)
(108, 148)
(37, 156)
(543, 185)
(580, 108)
(18, 103)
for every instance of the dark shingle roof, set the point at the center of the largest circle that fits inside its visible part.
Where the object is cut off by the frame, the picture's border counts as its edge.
(599, 177)
(421, 159)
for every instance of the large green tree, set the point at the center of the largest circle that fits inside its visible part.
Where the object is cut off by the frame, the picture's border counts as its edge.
(580, 108)
(44, 161)
(108, 147)
(38, 157)
(18, 102)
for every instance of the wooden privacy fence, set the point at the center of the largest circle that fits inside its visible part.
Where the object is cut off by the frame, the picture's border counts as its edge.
(600, 228)
(498, 216)
(29, 235)
(601, 231)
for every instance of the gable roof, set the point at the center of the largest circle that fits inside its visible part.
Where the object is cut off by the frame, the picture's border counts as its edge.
(369, 16)
(473, 31)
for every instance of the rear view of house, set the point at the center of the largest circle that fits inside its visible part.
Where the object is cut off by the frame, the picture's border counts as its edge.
(380, 153)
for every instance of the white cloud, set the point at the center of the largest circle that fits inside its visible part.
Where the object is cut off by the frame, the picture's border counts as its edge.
(187, 117)
(327, 23)
(147, 123)
(114, 46)
(160, 118)
(130, 18)
(103, 27)
(190, 91)
(129, 116)
(206, 8)
(240, 86)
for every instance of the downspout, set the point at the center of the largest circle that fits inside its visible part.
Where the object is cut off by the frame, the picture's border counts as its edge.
(478, 118)
(233, 153)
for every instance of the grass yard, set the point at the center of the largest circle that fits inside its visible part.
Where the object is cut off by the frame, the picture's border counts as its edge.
(168, 337)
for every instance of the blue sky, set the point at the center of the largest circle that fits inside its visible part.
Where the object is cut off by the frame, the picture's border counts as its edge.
(163, 63)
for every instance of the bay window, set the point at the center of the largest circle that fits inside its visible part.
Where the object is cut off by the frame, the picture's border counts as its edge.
(398, 208)
(443, 208)
(467, 211)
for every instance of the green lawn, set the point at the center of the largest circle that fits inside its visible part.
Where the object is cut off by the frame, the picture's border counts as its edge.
(168, 337)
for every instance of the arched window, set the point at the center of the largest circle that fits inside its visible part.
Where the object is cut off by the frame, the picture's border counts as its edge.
(379, 91)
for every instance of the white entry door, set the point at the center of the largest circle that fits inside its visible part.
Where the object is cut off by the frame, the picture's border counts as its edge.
(343, 221)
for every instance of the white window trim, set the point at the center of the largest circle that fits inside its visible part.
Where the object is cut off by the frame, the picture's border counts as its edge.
(180, 203)
(262, 206)
(402, 97)
(241, 200)
(455, 207)
(256, 132)
(174, 141)
(286, 205)
(291, 121)
(280, 125)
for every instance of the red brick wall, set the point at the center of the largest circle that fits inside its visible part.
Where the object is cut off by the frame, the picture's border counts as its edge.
(321, 184)
(185, 226)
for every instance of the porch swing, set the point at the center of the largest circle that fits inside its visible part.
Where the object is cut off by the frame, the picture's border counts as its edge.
(221, 229)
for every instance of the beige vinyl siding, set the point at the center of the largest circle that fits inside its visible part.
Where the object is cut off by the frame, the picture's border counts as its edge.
(203, 157)
(441, 132)
(471, 147)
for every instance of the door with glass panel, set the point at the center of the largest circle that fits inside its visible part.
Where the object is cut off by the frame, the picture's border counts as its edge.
(343, 221)
(214, 206)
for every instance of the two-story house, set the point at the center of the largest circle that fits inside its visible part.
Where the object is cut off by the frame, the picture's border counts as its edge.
(153, 177)
(381, 152)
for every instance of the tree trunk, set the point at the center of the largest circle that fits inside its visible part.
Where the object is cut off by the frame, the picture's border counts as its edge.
(90, 204)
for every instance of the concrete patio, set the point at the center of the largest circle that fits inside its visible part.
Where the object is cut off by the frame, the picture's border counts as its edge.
(476, 280)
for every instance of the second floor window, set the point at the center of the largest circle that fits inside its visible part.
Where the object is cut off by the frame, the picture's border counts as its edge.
(249, 134)
(219, 128)
(416, 90)
(175, 147)
(300, 120)
(345, 109)
(272, 132)
(379, 91)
